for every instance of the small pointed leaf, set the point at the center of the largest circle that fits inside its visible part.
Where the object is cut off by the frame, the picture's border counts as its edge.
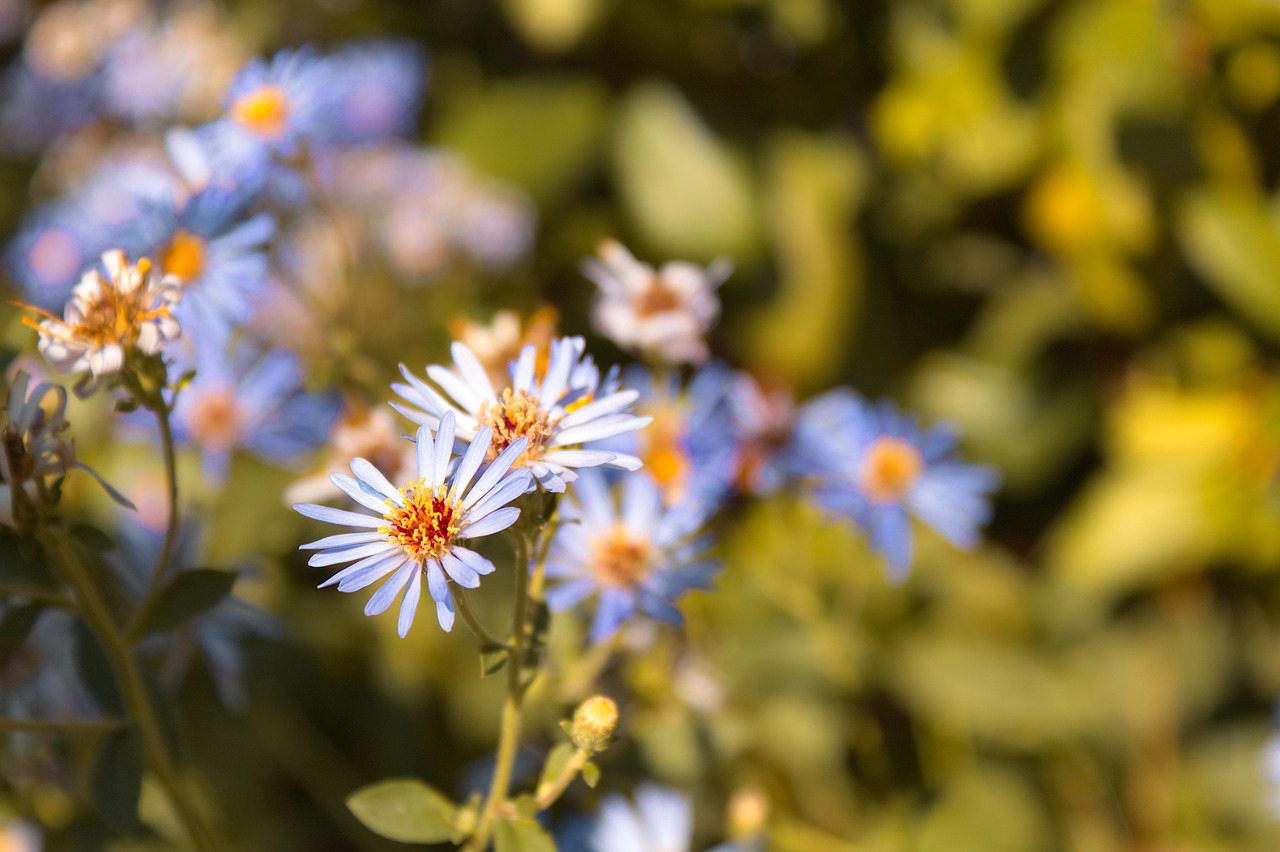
(405, 809)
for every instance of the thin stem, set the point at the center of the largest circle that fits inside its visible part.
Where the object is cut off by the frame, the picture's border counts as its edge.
(125, 664)
(161, 569)
(463, 608)
(547, 797)
(509, 738)
(70, 727)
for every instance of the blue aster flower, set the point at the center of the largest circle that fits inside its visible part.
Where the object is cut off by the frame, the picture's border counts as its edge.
(660, 821)
(49, 252)
(213, 247)
(636, 559)
(556, 410)
(375, 92)
(690, 448)
(419, 527)
(278, 104)
(248, 400)
(876, 466)
(763, 425)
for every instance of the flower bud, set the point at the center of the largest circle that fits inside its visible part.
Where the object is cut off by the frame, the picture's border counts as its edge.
(594, 724)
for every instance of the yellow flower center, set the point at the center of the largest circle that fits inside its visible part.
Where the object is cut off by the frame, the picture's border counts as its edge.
(516, 415)
(889, 469)
(214, 418)
(264, 111)
(426, 525)
(184, 256)
(620, 560)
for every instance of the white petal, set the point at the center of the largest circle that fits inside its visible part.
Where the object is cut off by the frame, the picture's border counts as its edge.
(472, 370)
(409, 606)
(444, 449)
(341, 540)
(330, 515)
(349, 554)
(352, 488)
(459, 572)
(386, 594)
(495, 472)
(492, 523)
(372, 476)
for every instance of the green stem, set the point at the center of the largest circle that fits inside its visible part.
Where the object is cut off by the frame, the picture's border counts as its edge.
(70, 727)
(161, 569)
(93, 607)
(463, 608)
(547, 797)
(509, 738)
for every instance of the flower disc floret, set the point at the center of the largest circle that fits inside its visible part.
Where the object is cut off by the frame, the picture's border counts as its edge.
(890, 467)
(516, 414)
(426, 522)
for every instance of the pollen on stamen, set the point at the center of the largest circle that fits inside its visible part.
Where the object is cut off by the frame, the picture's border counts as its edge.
(426, 525)
(890, 467)
(516, 415)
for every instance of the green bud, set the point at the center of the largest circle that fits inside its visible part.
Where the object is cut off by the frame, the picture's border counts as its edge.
(594, 724)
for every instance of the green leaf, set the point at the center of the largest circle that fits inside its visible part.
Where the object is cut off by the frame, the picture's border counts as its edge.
(95, 670)
(15, 625)
(404, 809)
(89, 536)
(190, 594)
(526, 807)
(522, 835)
(557, 760)
(591, 774)
(116, 781)
(492, 660)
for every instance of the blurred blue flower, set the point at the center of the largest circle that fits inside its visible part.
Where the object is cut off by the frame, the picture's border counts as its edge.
(416, 528)
(374, 92)
(660, 821)
(278, 104)
(876, 466)
(35, 110)
(213, 248)
(690, 448)
(567, 406)
(763, 426)
(49, 252)
(640, 558)
(250, 400)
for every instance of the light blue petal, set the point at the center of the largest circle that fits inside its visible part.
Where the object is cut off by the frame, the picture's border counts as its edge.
(492, 523)
(330, 515)
(386, 594)
(409, 606)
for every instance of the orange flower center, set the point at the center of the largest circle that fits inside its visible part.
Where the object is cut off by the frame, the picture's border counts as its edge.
(658, 299)
(184, 256)
(516, 415)
(108, 315)
(665, 457)
(888, 470)
(620, 560)
(426, 525)
(214, 418)
(264, 111)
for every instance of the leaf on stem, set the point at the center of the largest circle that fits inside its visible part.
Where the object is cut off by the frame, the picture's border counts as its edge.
(521, 835)
(115, 782)
(190, 594)
(557, 760)
(406, 810)
(95, 670)
(493, 659)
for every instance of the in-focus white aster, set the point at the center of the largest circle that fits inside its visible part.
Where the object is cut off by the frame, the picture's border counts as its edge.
(555, 413)
(417, 528)
(108, 316)
(664, 314)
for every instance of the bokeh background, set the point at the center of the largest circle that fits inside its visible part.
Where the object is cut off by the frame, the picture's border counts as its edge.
(1052, 222)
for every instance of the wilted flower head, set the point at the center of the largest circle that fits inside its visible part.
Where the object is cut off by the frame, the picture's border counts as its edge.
(637, 559)
(664, 314)
(109, 316)
(553, 410)
(876, 466)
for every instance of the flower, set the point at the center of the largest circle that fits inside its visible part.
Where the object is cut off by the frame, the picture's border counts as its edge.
(565, 408)
(690, 447)
(660, 821)
(763, 423)
(877, 467)
(245, 398)
(639, 560)
(497, 344)
(109, 316)
(418, 527)
(280, 103)
(374, 93)
(664, 314)
(51, 249)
